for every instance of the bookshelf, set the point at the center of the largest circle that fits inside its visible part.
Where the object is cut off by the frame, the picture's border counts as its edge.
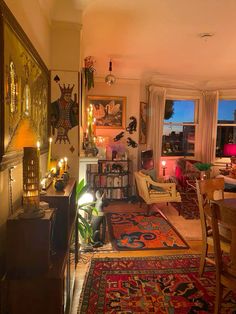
(112, 177)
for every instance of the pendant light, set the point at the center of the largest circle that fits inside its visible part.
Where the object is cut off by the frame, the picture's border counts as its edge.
(110, 79)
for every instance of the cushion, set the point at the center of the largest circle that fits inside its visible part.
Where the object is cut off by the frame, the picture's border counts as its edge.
(157, 188)
(150, 172)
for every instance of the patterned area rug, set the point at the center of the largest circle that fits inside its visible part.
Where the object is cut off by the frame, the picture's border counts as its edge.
(160, 285)
(136, 231)
(188, 208)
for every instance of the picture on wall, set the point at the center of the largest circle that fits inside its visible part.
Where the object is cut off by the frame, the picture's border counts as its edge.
(24, 85)
(143, 123)
(109, 111)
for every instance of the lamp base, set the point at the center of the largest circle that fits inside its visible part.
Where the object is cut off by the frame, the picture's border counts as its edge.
(233, 160)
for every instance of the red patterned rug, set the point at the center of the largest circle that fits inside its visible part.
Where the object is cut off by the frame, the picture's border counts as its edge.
(137, 231)
(167, 284)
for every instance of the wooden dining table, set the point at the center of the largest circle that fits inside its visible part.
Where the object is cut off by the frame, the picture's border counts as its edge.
(227, 208)
(226, 212)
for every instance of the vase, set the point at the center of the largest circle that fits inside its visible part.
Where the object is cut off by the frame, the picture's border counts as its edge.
(59, 185)
(204, 174)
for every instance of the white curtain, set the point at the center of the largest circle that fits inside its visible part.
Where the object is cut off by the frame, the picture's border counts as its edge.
(156, 110)
(209, 121)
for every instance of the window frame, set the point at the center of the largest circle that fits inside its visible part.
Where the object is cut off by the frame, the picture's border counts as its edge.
(196, 101)
(218, 158)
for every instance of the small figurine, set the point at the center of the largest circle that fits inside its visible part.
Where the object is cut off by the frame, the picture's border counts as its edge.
(131, 143)
(119, 136)
(98, 220)
(131, 128)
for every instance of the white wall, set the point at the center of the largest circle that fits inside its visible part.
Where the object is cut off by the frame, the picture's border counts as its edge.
(131, 90)
(66, 64)
(35, 24)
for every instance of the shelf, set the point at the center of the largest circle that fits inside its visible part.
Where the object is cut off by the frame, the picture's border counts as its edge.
(110, 173)
(113, 160)
(111, 176)
(114, 187)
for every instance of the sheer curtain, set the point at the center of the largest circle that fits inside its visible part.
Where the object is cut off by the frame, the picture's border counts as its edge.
(209, 121)
(156, 112)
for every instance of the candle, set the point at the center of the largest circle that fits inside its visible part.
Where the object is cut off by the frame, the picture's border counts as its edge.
(60, 168)
(94, 126)
(49, 153)
(65, 159)
(38, 149)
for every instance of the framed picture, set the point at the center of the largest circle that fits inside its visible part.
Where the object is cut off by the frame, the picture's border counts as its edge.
(109, 111)
(143, 123)
(24, 90)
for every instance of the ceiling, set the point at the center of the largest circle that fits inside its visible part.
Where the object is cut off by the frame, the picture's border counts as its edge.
(159, 38)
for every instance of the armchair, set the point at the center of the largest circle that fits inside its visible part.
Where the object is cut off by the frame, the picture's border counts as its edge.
(152, 192)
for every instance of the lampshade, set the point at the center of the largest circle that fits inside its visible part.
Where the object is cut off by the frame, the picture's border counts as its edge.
(229, 150)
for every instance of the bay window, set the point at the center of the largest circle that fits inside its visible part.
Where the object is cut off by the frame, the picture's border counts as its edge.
(179, 129)
(226, 125)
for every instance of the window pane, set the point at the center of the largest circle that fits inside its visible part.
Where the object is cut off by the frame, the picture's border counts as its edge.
(225, 135)
(179, 111)
(178, 140)
(227, 112)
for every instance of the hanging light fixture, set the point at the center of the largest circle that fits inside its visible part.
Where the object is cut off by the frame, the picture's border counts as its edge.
(110, 79)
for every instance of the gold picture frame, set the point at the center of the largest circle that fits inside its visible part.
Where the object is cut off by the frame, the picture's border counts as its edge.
(24, 89)
(109, 111)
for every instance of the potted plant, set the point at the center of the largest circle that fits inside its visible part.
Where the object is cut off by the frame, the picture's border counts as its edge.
(85, 211)
(204, 169)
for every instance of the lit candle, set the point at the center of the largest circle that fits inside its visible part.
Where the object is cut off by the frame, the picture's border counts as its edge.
(94, 126)
(60, 168)
(38, 149)
(62, 164)
(65, 159)
(49, 153)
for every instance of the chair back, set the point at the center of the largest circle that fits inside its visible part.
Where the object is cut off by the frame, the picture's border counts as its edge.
(141, 184)
(223, 218)
(212, 189)
(226, 219)
(208, 190)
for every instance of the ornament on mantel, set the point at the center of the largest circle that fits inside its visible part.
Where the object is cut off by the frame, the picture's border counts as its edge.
(90, 134)
(89, 72)
(131, 143)
(119, 136)
(132, 127)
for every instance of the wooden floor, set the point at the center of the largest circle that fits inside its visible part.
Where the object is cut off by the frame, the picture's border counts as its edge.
(195, 248)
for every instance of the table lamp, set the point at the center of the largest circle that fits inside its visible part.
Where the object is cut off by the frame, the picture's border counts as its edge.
(230, 151)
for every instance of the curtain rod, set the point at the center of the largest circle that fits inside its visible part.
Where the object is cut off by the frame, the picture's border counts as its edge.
(171, 87)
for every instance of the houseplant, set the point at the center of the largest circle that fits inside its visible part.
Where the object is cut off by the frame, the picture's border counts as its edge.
(204, 169)
(85, 211)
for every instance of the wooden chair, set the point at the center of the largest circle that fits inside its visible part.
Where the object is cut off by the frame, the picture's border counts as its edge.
(222, 219)
(207, 191)
(152, 192)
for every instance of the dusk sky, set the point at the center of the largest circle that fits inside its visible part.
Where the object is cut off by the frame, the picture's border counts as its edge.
(184, 110)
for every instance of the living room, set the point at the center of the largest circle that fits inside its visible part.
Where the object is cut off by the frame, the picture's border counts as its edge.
(188, 59)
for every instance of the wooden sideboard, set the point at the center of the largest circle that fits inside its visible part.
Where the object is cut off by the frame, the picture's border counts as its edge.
(47, 289)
